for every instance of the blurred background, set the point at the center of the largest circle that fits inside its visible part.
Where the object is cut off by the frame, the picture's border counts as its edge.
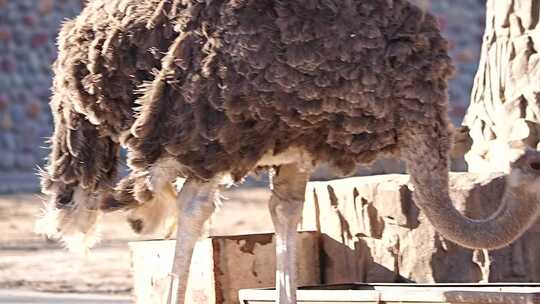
(28, 30)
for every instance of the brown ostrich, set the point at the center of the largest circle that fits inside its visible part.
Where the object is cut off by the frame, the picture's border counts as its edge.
(213, 90)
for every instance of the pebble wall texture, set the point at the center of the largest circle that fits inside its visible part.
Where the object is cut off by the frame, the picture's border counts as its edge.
(27, 48)
(28, 30)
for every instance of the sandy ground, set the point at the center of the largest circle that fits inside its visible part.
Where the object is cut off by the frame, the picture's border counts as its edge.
(29, 262)
(33, 297)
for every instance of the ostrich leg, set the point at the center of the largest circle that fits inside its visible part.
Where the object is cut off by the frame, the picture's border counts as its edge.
(288, 189)
(195, 205)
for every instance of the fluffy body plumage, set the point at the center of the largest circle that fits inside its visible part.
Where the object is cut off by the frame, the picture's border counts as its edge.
(237, 80)
(338, 79)
(105, 55)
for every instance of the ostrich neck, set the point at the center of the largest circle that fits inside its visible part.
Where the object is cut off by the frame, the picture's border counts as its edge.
(426, 153)
(516, 213)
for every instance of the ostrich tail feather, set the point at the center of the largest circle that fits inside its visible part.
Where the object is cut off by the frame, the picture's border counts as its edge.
(74, 225)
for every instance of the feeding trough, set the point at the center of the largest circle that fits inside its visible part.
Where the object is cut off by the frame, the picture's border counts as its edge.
(221, 266)
(404, 293)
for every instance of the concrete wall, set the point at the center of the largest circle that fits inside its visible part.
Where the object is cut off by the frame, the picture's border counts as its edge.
(373, 231)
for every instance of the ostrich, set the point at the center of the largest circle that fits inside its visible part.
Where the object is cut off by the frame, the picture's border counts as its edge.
(213, 90)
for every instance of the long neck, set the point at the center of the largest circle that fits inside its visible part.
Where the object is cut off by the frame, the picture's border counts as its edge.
(426, 157)
(517, 212)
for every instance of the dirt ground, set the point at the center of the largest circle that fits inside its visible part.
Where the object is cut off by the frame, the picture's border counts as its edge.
(29, 262)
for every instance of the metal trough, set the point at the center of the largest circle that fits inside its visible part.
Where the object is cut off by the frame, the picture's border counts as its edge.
(404, 293)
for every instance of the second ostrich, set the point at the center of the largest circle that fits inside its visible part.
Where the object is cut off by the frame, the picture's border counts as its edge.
(213, 90)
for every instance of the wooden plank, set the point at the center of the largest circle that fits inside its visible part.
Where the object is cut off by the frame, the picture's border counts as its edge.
(152, 263)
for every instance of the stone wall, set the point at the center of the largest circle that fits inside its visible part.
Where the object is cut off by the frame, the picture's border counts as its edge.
(28, 29)
(373, 231)
(27, 48)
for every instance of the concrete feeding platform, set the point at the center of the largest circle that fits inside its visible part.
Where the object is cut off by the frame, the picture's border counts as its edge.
(373, 231)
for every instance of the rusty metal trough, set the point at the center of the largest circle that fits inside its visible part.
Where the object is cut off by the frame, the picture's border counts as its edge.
(221, 266)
